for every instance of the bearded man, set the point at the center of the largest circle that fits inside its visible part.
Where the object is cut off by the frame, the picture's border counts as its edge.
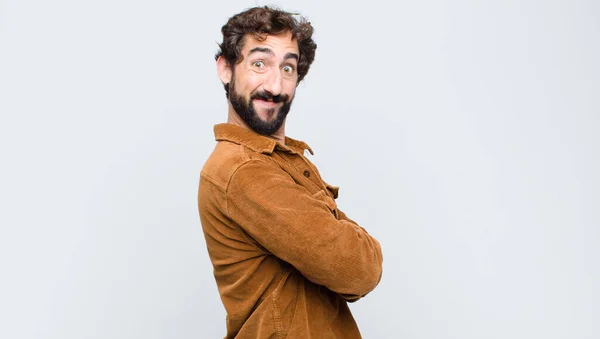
(286, 259)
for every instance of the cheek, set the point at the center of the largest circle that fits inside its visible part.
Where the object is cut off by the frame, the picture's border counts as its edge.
(246, 81)
(290, 89)
(250, 84)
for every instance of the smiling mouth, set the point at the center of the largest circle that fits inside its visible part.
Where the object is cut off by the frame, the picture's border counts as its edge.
(267, 102)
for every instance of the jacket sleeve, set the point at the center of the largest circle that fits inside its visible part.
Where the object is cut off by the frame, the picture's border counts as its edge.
(298, 228)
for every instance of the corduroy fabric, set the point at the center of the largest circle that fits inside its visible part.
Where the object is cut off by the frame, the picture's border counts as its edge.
(286, 259)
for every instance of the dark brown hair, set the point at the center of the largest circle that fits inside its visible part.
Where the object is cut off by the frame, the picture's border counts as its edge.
(260, 22)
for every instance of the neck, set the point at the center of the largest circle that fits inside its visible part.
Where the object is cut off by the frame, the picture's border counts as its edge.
(234, 119)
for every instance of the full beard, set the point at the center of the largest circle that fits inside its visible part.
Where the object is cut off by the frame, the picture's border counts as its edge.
(246, 111)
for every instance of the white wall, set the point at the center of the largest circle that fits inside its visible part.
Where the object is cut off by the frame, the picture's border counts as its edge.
(463, 134)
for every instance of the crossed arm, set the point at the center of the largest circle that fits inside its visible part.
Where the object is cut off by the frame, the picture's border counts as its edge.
(302, 229)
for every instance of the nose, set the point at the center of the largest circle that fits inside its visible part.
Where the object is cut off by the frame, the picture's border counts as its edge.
(272, 83)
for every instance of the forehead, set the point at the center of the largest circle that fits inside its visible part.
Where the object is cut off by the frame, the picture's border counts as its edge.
(279, 44)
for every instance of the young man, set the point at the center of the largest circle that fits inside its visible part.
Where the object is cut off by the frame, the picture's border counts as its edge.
(286, 259)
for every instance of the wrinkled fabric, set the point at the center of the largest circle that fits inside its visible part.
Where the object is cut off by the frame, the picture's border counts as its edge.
(286, 259)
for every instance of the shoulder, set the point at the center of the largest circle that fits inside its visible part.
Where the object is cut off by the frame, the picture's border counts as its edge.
(226, 159)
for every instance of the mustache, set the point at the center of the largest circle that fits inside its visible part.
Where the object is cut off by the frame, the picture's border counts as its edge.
(268, 97)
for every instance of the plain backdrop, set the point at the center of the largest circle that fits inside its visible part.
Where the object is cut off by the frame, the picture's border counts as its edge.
(463, 135)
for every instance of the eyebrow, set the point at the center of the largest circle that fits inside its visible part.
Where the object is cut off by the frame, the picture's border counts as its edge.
(270, 52)
(291, 56)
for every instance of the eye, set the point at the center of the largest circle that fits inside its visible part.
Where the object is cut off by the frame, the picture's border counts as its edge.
(288, 69)
(258, 64)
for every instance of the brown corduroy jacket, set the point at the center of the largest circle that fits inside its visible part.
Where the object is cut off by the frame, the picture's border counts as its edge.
(286, 259)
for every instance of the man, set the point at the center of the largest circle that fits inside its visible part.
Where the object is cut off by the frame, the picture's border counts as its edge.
(286, 259)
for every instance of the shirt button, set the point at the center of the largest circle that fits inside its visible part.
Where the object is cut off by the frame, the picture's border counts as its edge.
(307, 173)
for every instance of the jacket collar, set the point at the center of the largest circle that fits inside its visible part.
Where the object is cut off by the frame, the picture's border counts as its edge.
(256, 142)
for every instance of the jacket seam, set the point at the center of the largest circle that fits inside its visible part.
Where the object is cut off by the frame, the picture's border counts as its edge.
(226, 192)
(231, 178)
(213, 181)
(277, 322)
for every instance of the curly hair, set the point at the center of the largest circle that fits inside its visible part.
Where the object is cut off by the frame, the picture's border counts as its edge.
(260, 22)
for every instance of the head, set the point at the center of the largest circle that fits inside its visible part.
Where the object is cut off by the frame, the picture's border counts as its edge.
(264, 55)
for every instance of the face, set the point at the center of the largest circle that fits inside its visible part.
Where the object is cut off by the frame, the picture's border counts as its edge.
(263, 84)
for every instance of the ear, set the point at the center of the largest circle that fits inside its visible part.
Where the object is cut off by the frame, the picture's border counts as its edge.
(224, 70)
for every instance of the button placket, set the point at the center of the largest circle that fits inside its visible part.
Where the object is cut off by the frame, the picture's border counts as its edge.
(299, 166)
(319, 182)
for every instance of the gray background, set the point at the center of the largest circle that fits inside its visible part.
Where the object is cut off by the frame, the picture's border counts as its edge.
(463, 135)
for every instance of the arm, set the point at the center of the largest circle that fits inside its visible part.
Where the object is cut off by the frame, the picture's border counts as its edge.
(300, 229)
